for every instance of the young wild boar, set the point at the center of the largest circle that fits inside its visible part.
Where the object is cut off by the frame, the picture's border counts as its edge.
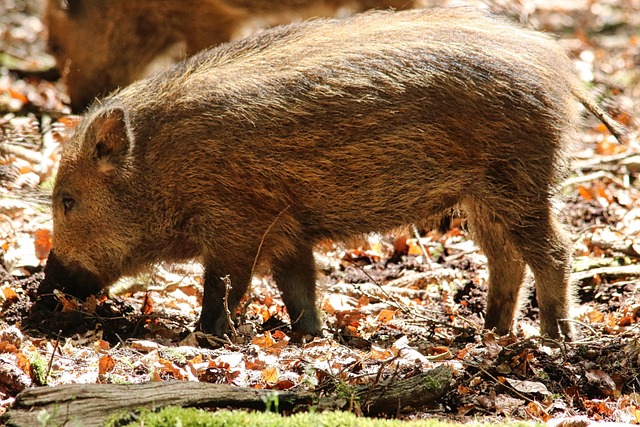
(327, 129)
(100, 45)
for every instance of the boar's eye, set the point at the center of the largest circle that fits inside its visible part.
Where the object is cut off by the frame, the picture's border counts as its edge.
(68, 204)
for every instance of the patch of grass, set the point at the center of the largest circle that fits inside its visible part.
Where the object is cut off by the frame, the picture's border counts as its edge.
(191, 417)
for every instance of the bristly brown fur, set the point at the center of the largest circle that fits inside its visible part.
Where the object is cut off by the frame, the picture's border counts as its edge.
(341, 127)
(101, 45)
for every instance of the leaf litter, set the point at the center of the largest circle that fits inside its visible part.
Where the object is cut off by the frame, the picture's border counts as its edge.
(395, 305)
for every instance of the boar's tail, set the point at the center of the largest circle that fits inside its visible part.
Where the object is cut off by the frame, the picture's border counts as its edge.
(616, 129)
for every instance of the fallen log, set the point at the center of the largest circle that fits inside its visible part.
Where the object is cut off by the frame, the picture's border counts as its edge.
(89, 405)
(392, 395)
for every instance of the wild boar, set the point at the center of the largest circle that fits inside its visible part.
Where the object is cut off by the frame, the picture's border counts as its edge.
(100, 45)
(259, 148)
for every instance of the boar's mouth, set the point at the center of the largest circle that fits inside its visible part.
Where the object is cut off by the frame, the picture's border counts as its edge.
(71, 279)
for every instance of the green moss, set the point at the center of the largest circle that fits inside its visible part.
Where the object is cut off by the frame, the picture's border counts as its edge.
(39, 367)
(190, 417)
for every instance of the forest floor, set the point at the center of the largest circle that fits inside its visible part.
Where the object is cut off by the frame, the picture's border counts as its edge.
(392, 311)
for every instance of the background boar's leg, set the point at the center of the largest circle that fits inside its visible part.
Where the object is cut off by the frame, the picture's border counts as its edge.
(213, 319)
(295, 275)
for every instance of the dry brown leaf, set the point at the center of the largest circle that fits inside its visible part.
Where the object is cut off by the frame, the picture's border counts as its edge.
(42, 243)
(386, 315)
(154, 377)
(462, 390)
(7, 347)
(68, 304)
(254, 365)
(102, 345)
(601, 379)
(528, 386)
(379, 353)
(147, 305)
(284, 385)
(269, 376)
(264, 341)
(106, 364)
(363, 301)
(536, 410)
(414, 247)
(170, 368)
(586, 194)
(9, 294)
(144, 345)
(23, 363)
(279, 335)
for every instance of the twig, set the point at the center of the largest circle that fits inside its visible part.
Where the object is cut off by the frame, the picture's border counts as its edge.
(617, 271)
(594, 176)
(425, 251)
(53, 353)
(376, 381)
(584, 325)
(255, 259)
(225, 301)
(625, 249)
(598, 161)
(460, 254)
(584, 178)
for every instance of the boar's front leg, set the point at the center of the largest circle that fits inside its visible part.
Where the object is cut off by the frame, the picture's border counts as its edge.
(295, 275)
(213, 319)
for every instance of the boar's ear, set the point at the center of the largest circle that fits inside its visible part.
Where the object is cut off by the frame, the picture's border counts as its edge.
(114, 139)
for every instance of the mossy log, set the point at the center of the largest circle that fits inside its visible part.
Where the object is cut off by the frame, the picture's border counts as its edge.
(90, 405)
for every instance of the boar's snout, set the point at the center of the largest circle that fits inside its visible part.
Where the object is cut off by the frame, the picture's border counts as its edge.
(71, 279)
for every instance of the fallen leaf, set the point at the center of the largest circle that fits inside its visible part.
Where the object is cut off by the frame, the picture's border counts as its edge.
(144, 345)
(600, 378)
(7, 347)
(9, 294)
(102, 345)
(263, 341)
(42, 243)
(106, 364)
(386, 315)
(528, 386)
(506, 404)
(269, 375)
(284, 385)
(68, 304)
(23, 363)
(147, 305)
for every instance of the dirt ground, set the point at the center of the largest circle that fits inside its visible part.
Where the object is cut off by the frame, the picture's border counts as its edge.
(391, 307)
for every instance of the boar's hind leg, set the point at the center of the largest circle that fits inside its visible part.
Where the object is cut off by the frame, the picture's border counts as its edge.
(295, 275)
(506, 268)
(213, 319)
(536, 238)
(546, 250)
